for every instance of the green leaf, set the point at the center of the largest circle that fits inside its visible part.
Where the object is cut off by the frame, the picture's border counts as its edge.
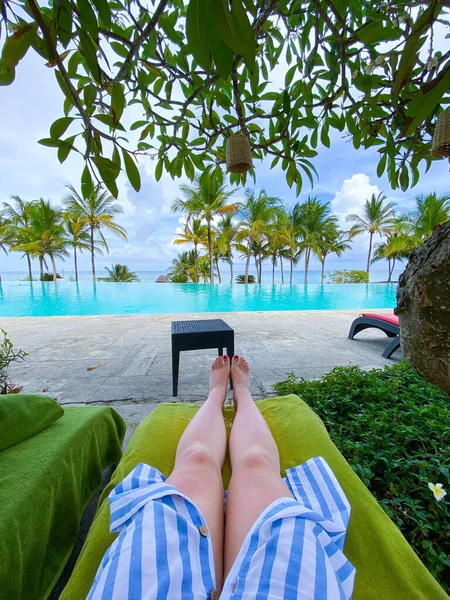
(340, 6)
(119, 49)
(404, 178)
(198, 162)
(158, 169)
(324, 137)
(89, 52)
(222, 56)
(173, 35)
(109, 172)
(414, 43)
(51, 143)
(381, 165)
(157, 87)
(189, 168)
(374, 32)
(149, 48)
(59, 127)
(290, 75)
(117, 101)
(365, 83)
(63, 17)
(198, 29)
(65, 148)
(235, 30)
(132, 171)
(422, 105)
(7, 75)
(17, 45)
(104, 11)
(286, 103)
(87, 17)
(89, 95)
(87, 186)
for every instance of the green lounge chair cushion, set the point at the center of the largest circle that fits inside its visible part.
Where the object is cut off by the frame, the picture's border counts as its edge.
(24, 415)
(45, 483)
(387, 567)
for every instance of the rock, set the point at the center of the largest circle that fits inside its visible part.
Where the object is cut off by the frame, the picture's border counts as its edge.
(423, 308)
(163, 279)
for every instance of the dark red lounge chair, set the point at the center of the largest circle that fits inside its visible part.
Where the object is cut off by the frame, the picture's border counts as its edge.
(387, 323)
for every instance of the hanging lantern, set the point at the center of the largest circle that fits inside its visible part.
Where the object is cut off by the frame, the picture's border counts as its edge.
(239, 153)
(440, 147)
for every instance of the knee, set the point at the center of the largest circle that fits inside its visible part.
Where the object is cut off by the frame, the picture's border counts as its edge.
(198, 455)
(257, 459)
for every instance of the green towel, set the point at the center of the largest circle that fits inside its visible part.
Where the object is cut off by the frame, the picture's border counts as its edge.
(45, 483)
(387, 567)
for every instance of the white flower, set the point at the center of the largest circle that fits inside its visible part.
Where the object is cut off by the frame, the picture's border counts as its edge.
(437, 490)
(380, 59)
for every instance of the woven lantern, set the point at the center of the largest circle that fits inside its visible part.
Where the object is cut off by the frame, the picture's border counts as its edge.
(441, 138)
(239, 153)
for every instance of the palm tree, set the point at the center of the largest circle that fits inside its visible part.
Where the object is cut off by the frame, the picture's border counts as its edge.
(182, 269)
(226, 240)
(196, 234)
(257, 215)
(98, 211)
(432, 210)
(205, 200)
(119, 273)
(311, 221)
(377, 218)
(17, 216)
(4, 237)
(277, 241)
(334, 241)
(45, 235)
(79, 237)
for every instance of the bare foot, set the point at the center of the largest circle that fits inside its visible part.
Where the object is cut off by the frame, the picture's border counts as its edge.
(240, 374)
(220, 372)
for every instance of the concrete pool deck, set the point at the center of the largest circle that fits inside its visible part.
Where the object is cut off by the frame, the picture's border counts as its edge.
(136, 352)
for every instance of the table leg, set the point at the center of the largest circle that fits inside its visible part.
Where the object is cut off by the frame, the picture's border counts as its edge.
(175, 370)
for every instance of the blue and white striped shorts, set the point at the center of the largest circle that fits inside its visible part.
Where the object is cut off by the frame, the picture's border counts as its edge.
(293, 551)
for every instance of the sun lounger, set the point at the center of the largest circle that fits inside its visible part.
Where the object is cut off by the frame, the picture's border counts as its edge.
(387, 568)
(387, 323)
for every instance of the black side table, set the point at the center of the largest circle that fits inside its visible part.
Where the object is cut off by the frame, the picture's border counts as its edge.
(198, 335)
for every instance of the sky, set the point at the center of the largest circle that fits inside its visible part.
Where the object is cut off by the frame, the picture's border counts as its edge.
(28, 107)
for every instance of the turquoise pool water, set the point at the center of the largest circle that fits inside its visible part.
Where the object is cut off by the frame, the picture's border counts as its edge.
(37, 299)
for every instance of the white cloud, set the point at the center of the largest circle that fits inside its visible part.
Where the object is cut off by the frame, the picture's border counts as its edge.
(350, 199)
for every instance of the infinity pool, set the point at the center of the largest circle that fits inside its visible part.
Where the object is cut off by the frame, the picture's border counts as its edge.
(22, 299)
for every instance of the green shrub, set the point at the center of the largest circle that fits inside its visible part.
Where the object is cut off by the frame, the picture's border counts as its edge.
(7, 356)
(49, 276)
(241, 279)
(394, 430)
(348, 277)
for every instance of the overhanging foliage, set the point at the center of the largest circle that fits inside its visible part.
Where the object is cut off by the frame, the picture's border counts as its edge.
(197, 71)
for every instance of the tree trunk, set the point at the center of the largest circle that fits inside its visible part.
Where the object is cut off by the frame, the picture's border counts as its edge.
(370, 252)
(75, 260)
(307, 253)
(247, 263)
(52, 258)
(273, 272)
(393, 266)
(292, 270)
(218, 271)
(195, 263)
(389, 270)
(94, 278)
(41, 267)
(260, 269)
(281, 268)
(30, 273)
(423, 308)
(230, 261)
(323, 271)
(211, 259)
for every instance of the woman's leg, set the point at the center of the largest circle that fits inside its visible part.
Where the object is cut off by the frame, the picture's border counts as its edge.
(255, 462)
(199, 460)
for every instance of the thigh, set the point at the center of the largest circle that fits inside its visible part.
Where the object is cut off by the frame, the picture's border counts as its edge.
(199, 478)
(250, 492)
